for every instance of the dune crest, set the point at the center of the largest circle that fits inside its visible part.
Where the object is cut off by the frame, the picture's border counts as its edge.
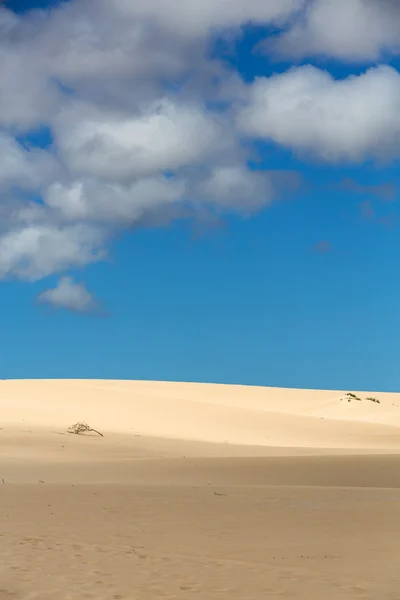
(219, 414)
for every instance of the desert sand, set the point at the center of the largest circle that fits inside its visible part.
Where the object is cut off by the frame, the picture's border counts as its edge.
(197, 491)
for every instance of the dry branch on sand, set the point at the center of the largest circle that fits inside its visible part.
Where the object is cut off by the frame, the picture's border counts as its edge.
(82, 427)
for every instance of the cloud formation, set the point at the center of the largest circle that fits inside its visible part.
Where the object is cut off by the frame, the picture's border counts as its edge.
(129, 140)
(69, 295)
(352, 30)
(309, 111)
(24, 169)
(129, 95)
(34, 251)
(117, 146)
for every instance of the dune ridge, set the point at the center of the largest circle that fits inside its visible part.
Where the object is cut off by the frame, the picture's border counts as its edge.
(213, 413)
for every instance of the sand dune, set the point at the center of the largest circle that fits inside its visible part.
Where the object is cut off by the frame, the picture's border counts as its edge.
(237, 415)
(197, 491)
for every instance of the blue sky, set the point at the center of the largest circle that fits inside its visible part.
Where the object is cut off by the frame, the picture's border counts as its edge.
(277, 284)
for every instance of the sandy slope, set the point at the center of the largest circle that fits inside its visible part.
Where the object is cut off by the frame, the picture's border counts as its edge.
(197, 491)
(235, 415)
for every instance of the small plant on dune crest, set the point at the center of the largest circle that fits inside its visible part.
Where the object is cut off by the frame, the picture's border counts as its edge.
(82, 427)
(350, 396)
(373, 400)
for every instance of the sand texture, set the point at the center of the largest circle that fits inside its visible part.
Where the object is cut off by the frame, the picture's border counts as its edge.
(197, 491)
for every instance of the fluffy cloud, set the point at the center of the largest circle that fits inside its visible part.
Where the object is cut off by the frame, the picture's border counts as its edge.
(29, 96)
(112, 51)
(197, 18)
(356, 30)
(36, 251)
(307, 110)
(128, 90)
(228, 185)
(117, 147)
(104, 77)
(22, 168)
(69, 295)
(112, 204)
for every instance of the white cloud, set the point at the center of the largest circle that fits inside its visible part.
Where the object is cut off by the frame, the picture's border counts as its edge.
(125, 149)
(358, 30)
(307, 110)
(116, 147)
(28, 94)
(236, 186)
(25, 169)
(36, 251)
(230, 187)
(113, 51)
(69, 295)
(112, 203)
(103, 54)
(127, 89)
(197, 18)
